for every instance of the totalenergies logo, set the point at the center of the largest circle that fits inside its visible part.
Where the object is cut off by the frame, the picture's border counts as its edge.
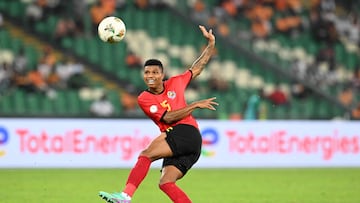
(210, 137)
(4, 137)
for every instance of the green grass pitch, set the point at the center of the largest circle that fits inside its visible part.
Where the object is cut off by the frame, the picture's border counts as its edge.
(319, 185)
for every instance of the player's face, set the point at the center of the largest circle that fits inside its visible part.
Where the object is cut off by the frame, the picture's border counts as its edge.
(153, 76)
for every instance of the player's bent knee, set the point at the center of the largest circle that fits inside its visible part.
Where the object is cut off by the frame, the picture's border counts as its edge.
(167, 179)
(146, 153)
(164, 181)
(150, 154)
(162, 185)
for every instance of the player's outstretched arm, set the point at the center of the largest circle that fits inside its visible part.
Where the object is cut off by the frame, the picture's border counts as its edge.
(176, 115)
(205, 56)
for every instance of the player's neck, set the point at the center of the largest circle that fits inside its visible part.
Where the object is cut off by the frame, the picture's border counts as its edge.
(157, 90)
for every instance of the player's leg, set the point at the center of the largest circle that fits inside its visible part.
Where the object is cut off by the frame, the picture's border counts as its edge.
(170, 174)
(157, 149)
(185, 142)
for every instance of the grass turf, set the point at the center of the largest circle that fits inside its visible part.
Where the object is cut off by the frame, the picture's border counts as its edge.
(330, 185)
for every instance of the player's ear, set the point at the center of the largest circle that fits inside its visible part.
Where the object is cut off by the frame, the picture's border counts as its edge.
(163, 74)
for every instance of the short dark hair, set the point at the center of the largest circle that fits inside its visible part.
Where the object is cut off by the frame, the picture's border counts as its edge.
(154, 62)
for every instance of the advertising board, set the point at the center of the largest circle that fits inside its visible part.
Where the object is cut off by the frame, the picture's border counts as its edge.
(43, 143)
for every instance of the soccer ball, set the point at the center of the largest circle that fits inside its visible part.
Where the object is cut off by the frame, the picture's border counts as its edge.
(111, 29)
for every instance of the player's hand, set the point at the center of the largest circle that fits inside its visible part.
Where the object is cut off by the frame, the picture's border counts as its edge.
(208, 34)
(207, 103)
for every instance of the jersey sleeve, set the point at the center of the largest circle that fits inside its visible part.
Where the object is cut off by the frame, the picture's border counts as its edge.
(183, 79)
(151, 108)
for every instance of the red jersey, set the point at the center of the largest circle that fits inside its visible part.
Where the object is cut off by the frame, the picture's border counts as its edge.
(172, 98)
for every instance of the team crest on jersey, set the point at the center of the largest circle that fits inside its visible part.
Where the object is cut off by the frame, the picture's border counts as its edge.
(171, 94)
(153, 109)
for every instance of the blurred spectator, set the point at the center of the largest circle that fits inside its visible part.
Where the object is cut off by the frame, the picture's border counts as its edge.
(354, 30)
(223, 29)
(65, 27)
(288, 20)
(212, 21)
(299, 68)
(355, 81)
(46, 69)
(5, 77)
(355, 112)
(280, 5)
(50, 7)
(199, 11)
(41, 82)
(142, 4)
(346, 97)
(235, 116)
(258, 11)
(295, 6)
(252, 106)
(48, 57)
(299, 91)
(45, 75)
(97, 13)
(324, 70)
(333, 36)
(79, 9)
(229, 7)
(120, 4)
(133, 61)
(216, 83)
(102, 107)
(20, 63)
(129, 103)
(327, 55)
(278, 96)
(317, 24)
(70, 74)
(33, 82)
(33, 13)
(109, 6)
(219, 13)
(1, 21)
(100, 10)
(322, 29)
(43, 79)
(327, 7)
(348, 27)
(260, 16)
(53, 80)
(289, 24)
(260, 28)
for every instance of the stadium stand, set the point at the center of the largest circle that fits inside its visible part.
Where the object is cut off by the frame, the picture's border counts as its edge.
(165, 31)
